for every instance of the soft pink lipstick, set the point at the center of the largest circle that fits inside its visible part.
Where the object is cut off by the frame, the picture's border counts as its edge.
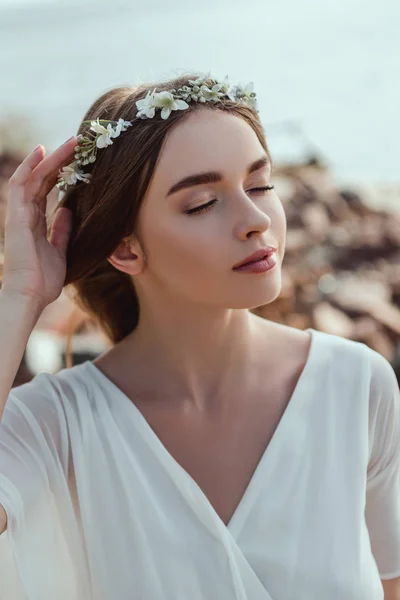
(261, 261)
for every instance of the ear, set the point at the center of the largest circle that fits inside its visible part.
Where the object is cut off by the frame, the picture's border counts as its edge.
(128, 256)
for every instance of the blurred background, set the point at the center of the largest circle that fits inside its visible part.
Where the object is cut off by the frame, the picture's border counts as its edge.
(326, 77)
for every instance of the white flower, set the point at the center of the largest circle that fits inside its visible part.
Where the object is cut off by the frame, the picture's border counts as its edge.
(121, 126)
(213, 94)
(231, 93)
(168, 103)
(117, 130)
(245, 94)
(68, 175)
(225, 85)
(85, 177)
(104, 139)
(146, 106)
(71, 174)
(199, 91)
(124, 124)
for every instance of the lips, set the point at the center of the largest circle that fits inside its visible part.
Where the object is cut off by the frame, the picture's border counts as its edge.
(260, 254)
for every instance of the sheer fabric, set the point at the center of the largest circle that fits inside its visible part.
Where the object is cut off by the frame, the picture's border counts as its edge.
(98, 509)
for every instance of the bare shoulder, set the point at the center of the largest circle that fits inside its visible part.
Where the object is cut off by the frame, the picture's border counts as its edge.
(287, 350)
(294, 345)
(291, 344)
(295, 338)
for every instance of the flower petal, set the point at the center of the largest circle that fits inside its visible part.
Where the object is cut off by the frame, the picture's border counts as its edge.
(115, 132)
(163, 99)
(103, 141)
(181, 105)
(83, 176)
(124, 124)
(97, 128)
(166, 111)
(151, 112)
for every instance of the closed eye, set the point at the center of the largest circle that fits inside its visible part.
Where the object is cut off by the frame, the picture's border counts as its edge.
(208, 205)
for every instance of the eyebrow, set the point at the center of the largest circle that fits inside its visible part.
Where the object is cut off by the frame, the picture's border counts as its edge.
(213, 176)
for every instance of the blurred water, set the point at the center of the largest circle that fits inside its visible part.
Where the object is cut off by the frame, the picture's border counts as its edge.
(329, 69)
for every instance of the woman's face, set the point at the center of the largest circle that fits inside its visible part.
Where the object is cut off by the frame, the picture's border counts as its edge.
(192, 255)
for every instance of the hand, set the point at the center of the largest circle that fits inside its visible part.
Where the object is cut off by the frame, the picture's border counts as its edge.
(34, 265)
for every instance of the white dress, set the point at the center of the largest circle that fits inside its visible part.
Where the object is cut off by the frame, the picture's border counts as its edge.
(98, 509)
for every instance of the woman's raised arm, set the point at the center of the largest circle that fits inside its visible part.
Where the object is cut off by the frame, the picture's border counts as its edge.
(34, 262)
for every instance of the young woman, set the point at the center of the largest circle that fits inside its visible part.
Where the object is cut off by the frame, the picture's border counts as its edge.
(208, 454)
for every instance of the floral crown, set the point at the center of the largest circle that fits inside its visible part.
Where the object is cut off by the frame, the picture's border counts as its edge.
(102, 131)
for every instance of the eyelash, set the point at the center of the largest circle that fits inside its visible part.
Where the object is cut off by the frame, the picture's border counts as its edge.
(206, 207)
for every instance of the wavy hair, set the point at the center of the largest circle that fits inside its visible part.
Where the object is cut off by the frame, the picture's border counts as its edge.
(106, 210)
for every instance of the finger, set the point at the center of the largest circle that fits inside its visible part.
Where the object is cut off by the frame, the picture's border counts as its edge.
(49, 167)
(61, 229)
(23, 173)
(48, 184)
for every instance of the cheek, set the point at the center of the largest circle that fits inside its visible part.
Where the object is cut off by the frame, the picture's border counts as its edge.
(181, 249)
(190, 254)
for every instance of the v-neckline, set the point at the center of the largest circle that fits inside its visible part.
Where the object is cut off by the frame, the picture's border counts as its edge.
(243, 506)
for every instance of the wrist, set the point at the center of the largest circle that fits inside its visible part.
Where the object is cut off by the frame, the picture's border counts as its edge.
(28, 305)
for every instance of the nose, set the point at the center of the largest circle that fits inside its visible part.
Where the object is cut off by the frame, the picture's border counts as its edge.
(252, 220)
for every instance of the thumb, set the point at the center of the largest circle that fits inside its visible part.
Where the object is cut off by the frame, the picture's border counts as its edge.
(61, 229)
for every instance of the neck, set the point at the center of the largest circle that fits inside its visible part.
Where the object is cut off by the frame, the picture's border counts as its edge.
(200, 358)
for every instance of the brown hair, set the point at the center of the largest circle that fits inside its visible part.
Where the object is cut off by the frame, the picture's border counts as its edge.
(106, 210)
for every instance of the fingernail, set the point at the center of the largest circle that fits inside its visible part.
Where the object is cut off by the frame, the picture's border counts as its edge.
(35, 149)
(69, 139)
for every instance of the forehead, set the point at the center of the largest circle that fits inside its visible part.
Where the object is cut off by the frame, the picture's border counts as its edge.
(208, 140)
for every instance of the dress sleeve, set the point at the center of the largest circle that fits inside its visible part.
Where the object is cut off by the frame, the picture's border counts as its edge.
(382, 511)
(35, 550)
(33, 447)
